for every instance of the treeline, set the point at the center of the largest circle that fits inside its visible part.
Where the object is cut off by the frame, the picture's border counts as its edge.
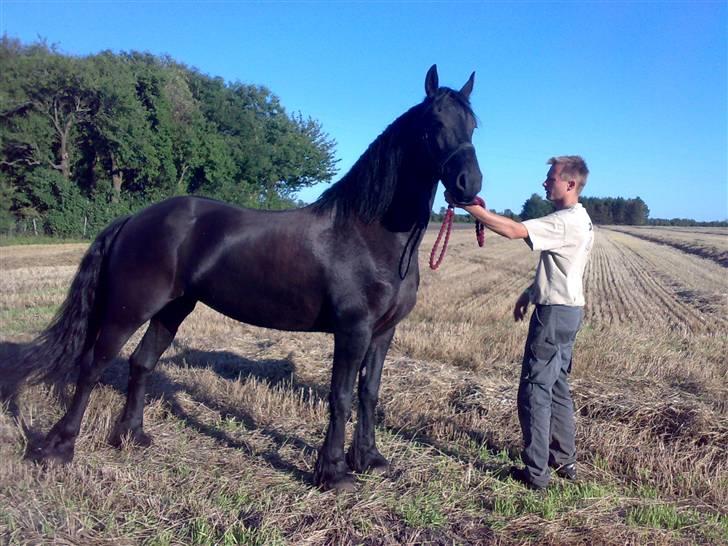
(688, 222)
(602, 210)
(85, 139)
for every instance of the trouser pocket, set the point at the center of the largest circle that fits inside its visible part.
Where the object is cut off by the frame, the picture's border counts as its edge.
(540, 347)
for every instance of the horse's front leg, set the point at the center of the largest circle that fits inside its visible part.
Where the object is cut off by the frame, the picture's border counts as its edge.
(350, 347)
(363, 454)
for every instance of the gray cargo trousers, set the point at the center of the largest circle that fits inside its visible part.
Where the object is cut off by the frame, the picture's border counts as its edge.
(545, 407)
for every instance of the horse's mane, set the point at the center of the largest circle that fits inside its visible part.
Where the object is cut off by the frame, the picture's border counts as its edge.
(368, 188)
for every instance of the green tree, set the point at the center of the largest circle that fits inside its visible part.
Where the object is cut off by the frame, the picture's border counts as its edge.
(83, 139)
(7, 192)
(118, 131)
(636, 213)
(46, 102)
(535, 207)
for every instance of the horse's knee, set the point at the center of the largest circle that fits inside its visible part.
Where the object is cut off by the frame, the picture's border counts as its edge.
(340, 404)
(369, 396)
(140, 365)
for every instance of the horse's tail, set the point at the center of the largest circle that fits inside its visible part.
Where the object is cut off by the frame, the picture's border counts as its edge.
(54, 353)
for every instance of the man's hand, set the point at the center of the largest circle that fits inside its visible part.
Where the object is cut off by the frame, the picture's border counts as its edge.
(519, 311)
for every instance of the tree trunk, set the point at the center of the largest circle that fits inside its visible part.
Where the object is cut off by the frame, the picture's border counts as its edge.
(65, 166)
(117, 179)
(180, 182)
(63, 122)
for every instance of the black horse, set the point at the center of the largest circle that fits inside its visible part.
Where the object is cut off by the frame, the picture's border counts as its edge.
(346, 265)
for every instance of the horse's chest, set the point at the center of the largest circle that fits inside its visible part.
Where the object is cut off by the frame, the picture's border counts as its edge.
(396, 308)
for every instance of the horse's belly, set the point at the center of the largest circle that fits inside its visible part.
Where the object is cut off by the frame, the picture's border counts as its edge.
(271, 316)
(266, 307)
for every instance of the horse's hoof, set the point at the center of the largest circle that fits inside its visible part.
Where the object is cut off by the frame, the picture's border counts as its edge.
(136, 437)
(344, 484)
(378, 467)
(376, 463)
(336, 478)
(373, 462)
(50, 453)
(141, 439)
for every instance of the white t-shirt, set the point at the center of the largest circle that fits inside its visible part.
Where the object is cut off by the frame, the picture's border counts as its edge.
(565, 239)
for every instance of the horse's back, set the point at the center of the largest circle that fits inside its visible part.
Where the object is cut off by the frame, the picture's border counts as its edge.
(260, 267)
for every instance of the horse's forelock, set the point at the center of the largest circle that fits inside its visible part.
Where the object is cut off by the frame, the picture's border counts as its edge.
(456, 96)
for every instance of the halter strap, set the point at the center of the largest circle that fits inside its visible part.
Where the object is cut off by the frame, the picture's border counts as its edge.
(457, 150)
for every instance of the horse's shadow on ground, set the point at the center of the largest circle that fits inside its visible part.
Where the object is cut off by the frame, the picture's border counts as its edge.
(160, 385)
(228, 366)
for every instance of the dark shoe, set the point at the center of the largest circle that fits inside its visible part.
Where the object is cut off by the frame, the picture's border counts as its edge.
(521, 476)
(567, 471)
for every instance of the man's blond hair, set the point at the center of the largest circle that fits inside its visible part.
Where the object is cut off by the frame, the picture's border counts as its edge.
(573, 168)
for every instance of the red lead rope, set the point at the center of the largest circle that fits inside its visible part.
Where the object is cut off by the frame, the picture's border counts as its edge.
(445, 229)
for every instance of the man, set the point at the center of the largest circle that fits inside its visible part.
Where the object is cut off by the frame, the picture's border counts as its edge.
(565, 238)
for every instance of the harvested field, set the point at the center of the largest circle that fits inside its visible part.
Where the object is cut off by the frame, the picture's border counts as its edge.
(237, 413)
(708, 242)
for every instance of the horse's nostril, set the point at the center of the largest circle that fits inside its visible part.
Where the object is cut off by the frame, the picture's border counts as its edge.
(462, 182)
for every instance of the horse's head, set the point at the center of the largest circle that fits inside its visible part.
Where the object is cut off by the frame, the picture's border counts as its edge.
(448, 128)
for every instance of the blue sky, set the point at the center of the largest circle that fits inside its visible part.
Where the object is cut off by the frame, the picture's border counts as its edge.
(637, 88)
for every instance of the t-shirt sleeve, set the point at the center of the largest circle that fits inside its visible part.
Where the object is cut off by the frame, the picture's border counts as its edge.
(547, 233)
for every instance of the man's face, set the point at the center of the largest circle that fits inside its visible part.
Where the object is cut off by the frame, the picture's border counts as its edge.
(556, 187)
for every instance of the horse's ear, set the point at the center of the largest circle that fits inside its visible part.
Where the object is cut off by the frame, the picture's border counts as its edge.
(432, 83)
(468, 87)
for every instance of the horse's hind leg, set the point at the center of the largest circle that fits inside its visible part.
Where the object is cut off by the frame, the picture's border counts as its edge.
(363, 454)
(60, 442)
(162, 329)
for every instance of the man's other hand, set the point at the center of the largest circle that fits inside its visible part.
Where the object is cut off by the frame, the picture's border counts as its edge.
(519, 311)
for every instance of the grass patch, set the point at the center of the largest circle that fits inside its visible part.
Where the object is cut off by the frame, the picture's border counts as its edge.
(669, 517)
(17, 321)
(645, 492)
(421, 510)
(510, 503)
(13, 240)
(201, 531)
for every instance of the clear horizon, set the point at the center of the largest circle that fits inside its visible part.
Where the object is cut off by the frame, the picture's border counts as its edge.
(637, 88)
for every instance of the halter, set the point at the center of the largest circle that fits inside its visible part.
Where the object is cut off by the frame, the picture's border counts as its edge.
(448, 219)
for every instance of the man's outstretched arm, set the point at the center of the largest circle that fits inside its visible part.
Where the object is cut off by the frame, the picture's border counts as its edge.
(494, 222)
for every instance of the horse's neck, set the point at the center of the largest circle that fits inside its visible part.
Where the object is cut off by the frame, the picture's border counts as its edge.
(412, 201)
(403, 225)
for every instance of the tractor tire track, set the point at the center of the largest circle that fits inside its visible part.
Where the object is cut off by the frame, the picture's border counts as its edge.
(632, 287)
